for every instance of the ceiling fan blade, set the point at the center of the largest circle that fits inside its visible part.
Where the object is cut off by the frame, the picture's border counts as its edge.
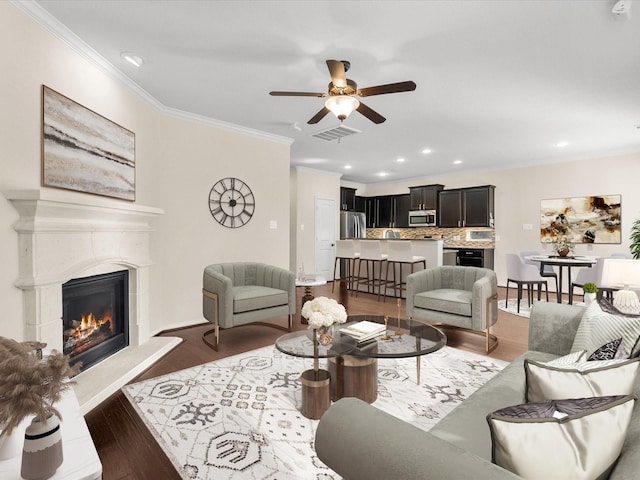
(297, 94)
(319, 116)
(388, 88)
(338, 74)
(371, 114)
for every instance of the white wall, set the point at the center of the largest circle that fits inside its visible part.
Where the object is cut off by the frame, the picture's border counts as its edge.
(310, 184)
(177, 163)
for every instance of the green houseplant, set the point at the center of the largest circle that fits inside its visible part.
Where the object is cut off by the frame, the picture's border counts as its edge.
(635, 239)
(590, 287)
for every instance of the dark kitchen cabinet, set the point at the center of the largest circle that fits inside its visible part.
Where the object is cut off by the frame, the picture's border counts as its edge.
(387, 211)
(347, 198)
(466, 207)
(361, 204)
(424, 197)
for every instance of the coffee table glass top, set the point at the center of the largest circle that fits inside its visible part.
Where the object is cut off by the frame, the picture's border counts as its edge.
(417, 339)
(300, 344)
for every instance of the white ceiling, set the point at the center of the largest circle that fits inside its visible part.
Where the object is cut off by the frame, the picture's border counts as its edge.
(499, 83)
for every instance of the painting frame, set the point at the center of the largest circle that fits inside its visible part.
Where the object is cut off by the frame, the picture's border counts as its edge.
(580, 220)
(84, 151)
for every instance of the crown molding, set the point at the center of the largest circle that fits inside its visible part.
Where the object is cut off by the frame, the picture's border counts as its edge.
(63, 33)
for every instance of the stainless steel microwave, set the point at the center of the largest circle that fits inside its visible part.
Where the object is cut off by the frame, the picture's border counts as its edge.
(422, 218)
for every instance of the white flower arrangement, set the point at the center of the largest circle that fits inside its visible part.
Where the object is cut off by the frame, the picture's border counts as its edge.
(324, 312)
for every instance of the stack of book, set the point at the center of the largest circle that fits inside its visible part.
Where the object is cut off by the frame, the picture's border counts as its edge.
(363, 331)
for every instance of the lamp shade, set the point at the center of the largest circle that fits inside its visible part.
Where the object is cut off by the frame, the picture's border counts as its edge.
(342, 105)
(625, 275)
(621, 272)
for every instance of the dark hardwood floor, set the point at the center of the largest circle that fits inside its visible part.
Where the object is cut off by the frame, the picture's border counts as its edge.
(129, 451)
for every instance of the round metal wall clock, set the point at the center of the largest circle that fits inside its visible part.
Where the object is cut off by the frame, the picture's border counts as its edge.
(231, 202)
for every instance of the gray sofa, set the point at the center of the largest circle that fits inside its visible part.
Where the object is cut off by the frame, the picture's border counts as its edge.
(359, 441)
(240, 293)
(457, 296)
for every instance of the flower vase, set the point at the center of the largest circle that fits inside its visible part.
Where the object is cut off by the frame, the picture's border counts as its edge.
(325, 335)
(563, 252)
(42, 450)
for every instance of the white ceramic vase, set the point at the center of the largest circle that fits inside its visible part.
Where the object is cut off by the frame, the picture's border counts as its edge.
(589, 297)
(42, 450)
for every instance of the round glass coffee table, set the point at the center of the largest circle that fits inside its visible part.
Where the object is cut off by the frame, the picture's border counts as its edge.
(356, 373)
(316, 384)
(353, 367)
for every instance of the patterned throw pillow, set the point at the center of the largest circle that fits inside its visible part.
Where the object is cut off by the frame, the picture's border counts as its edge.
(597, 328)
(546, 439)
(579, 380)
(609, 351)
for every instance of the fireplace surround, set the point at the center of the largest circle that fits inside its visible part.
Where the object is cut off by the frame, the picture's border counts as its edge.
(64, 236)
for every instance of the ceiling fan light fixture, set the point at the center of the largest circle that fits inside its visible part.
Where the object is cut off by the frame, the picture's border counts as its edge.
(342, 105)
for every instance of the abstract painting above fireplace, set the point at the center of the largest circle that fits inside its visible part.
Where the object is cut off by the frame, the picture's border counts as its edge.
(95, 317)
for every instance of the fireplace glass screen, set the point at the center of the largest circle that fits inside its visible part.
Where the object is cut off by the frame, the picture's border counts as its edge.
(95, 315)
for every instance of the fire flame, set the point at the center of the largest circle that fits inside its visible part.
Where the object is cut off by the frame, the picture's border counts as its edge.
(89, 324)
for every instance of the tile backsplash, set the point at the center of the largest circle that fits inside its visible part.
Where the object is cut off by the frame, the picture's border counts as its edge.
(453, 237)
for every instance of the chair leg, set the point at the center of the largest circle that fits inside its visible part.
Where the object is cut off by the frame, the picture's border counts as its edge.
(519, 296)
(506, 301)
(216, 324)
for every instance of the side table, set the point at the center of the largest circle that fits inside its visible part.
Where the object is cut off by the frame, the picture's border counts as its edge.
(308, 281)
(81, 461)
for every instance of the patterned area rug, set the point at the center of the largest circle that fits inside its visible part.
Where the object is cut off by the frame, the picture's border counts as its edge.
(238, 418)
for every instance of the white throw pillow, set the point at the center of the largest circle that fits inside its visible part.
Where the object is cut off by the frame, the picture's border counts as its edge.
(598, 327)
(598, 378)
(531, 441)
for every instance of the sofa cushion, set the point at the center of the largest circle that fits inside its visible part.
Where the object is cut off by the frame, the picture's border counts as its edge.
(253, 297)
(598, 327)
(547, 439)
(447, 300)
(579, 380)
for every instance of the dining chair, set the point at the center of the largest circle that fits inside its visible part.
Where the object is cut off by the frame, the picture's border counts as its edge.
(523, 274)
(547, 271)
(594, 275)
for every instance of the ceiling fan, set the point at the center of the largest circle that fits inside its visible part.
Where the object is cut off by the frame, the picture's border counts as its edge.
(342, 92)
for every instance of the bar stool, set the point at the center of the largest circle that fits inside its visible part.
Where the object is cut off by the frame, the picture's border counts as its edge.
(371, 252)
(345, 250)
(400, 253)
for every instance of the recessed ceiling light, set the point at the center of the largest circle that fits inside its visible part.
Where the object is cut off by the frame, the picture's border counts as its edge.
(457, 162)
(562, 144)
(426, 151)
(400, 160)
(347, 167)
(132, 58)
(382, 174)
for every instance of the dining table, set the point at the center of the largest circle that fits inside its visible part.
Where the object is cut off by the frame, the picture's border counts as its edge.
(562, 263)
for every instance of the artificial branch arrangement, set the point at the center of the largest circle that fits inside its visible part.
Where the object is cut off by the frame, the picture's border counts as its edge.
(29, 385)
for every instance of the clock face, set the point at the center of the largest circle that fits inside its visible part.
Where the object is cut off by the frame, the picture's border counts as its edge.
(231, 202)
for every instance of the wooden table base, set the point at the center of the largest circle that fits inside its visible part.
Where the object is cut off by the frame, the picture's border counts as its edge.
(354, 377)
(316, 396)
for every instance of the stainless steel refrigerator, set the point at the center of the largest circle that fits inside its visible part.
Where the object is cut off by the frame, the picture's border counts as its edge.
(352, 225)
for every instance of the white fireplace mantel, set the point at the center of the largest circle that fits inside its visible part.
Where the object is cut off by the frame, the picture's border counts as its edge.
(64, 235)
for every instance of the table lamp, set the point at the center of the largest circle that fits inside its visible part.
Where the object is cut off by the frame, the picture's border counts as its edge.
(623, 274)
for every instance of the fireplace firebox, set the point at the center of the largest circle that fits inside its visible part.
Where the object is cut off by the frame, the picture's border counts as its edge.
(95, 317)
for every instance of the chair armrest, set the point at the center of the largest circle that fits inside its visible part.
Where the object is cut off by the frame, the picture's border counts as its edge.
(483, 289)
(221, 285)
(553, 326)
(418, 282)
(359, 441)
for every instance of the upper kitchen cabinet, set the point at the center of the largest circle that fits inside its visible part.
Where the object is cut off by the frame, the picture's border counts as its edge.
(361, 204)
(347, 198)
(388, 211)
(466, 207)
(424, 197)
